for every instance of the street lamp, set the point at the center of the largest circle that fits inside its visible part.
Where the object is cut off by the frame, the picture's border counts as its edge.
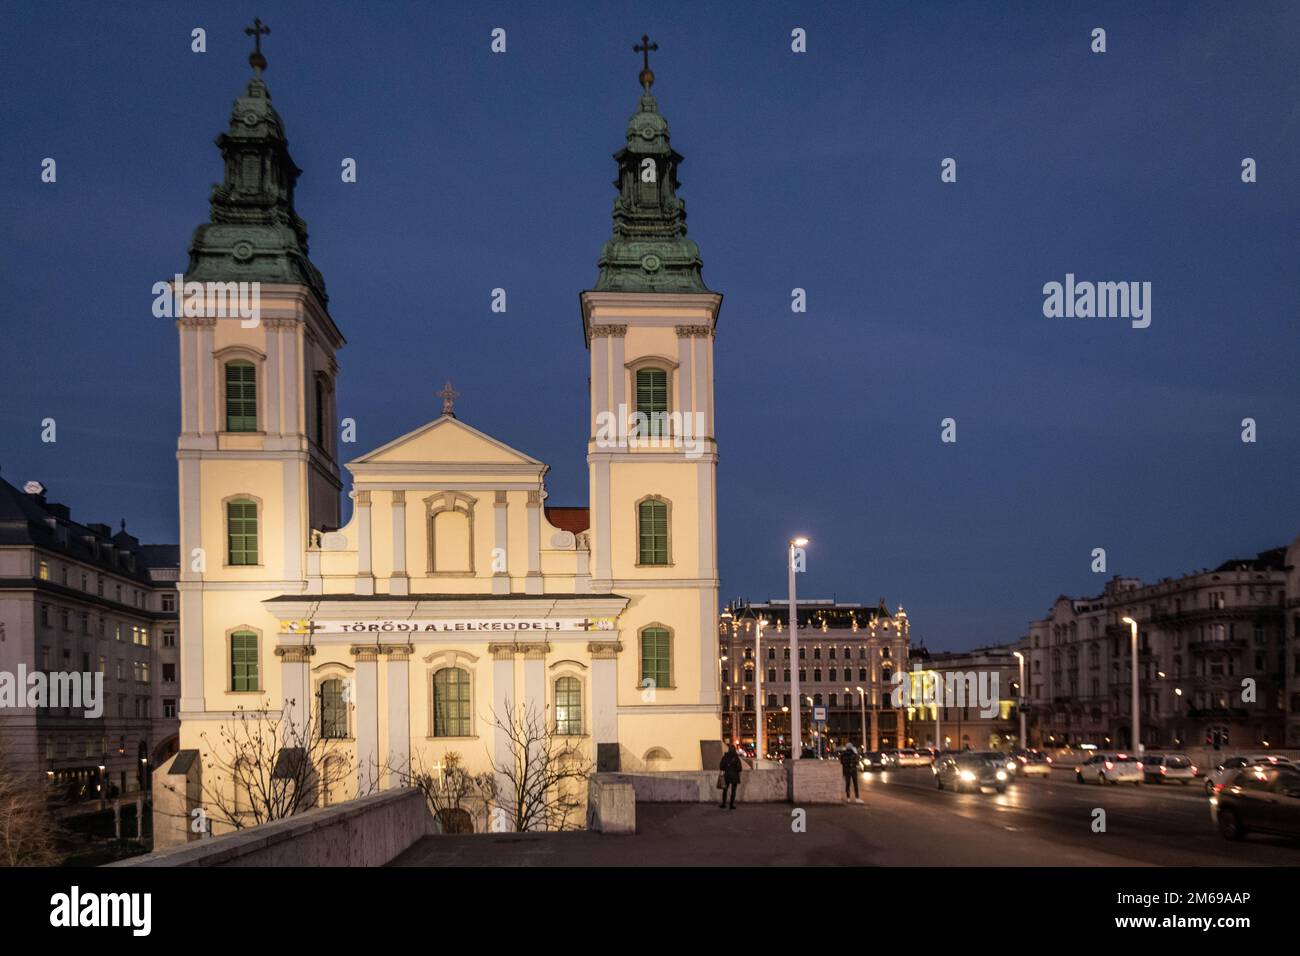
(759, 752)
(1020, 700)
(1137, 736)
(796, 732)
(862, 699)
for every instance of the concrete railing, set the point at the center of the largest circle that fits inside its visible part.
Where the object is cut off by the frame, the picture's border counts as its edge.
(369, 831)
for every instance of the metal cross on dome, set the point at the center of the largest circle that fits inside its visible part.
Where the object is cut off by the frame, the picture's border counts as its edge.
(645, 47)
(448, 396)
(257, 31)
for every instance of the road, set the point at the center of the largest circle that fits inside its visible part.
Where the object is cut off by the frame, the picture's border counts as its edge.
(904, 821)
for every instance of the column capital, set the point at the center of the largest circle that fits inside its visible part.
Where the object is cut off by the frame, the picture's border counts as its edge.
(362, 498)
(399, 496)
(534, 499)
(499, 497)
(396, 652)
(502, 652)
(535, 651)
(612, 331)
(366, 653)
(295, 653)
(604, 650)
(693, 331)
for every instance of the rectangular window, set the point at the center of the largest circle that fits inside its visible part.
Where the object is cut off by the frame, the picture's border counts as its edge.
(241, 526)
(44, 572)
(169, 601)
(169, 707)
(652, 531)
(169, 639)
(655, 662)
(652, 402)
(169, 673)
(241, 397)
(243, 661)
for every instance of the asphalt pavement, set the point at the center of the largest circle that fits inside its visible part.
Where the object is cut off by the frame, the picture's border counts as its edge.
(904, 821)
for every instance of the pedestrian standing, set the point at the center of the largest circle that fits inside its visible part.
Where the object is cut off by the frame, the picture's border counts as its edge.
(849, 767)
(730, 768)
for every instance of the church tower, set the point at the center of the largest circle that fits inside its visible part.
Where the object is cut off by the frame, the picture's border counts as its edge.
(649, 324)
(257, 447)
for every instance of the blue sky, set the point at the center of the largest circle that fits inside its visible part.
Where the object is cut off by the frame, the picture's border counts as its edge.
(818, 171)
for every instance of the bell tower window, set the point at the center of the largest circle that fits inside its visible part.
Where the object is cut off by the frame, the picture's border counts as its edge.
(241, 396)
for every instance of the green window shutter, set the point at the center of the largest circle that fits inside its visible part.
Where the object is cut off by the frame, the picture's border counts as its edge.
(241, 532)
(655, 663)
(652, 532)
(243, 661)
(451, 693)
(241, 397)
(652, 401)
(568, 706)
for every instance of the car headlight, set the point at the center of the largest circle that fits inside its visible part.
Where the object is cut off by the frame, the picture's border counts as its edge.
(967, 776)
(1002, 775)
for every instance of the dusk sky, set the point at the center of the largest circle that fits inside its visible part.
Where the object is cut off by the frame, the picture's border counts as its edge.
(818, 170)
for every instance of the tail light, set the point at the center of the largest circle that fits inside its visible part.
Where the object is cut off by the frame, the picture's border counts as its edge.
(1194, 771)
(1109, 765)
(1163, 771)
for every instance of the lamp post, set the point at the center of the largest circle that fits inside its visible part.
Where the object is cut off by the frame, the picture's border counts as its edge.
(1137, 734)
(812, 728)
(1020, 699)
(796, 732)
(862, 699)
(759, 752)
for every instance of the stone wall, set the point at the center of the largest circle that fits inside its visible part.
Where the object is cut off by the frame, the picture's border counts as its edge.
(369, 831)
(700, 786)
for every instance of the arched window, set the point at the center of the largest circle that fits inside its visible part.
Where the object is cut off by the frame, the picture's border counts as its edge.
(243, 661)
(568, 706)
(241, 531)
(652, 402)
(656, 657)
(241, 396)
(333, 710)
(652, 531)
(451, 707)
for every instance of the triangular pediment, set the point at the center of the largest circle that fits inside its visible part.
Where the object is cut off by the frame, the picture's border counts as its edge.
(446, 441)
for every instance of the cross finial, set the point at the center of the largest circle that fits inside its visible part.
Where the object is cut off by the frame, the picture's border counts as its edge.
(257, 31)
(448, 396)
(644, 48)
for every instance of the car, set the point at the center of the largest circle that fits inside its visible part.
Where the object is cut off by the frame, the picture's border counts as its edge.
(1261, 798)
(1168, 768)
(890, 758)
(1109, 768)
(1035, 765)
(873, 760)
(1007, 762)
(969, 771)
(910, 757)
(1214, 779)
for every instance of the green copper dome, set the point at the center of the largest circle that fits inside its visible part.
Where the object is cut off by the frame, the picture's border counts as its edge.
(254, 235)
(649, 251)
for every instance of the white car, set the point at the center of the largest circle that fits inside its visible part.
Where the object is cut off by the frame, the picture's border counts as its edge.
(1169, 768)
(1109, 768)
(1035, 765)
(1215, 779)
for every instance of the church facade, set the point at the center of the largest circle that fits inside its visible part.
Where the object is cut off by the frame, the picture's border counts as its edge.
(452, 596)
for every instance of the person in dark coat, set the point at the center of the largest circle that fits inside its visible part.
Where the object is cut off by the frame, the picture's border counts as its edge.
(849, 767)
(730, 766)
